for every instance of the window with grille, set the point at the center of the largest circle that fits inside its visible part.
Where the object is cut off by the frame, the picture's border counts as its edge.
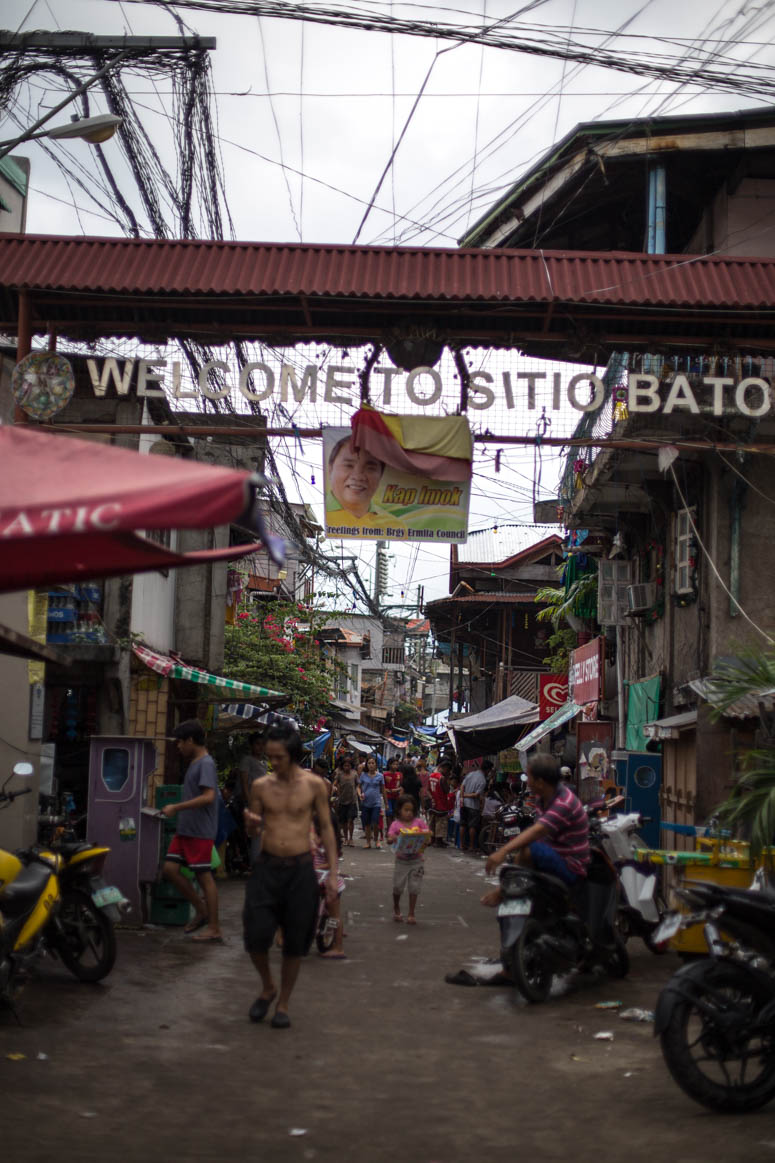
(684, 551)
(393, 654)
(613, 579)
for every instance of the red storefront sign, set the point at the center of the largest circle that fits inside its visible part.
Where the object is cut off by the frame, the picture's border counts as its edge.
(586, 672)
(552, 694)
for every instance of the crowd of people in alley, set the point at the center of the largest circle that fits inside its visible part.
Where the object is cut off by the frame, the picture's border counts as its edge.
(295, 823)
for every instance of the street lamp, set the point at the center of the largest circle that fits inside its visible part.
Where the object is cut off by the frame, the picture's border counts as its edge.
(104, 126)
(95, 130)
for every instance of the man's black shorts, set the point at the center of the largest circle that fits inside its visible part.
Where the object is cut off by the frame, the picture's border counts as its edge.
(470, 817)
(281, 893)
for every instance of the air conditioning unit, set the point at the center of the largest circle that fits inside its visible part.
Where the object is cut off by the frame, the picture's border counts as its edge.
(641, 597)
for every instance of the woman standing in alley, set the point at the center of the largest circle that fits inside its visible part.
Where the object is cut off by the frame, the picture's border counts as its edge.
(346, 789)
(371, 792)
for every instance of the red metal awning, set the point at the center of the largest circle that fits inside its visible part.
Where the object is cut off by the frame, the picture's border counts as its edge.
(207, 268)
(71, 509)
(567, 304)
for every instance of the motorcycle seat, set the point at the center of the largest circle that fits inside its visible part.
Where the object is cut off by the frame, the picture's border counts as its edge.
(20, 895)
(70, 847)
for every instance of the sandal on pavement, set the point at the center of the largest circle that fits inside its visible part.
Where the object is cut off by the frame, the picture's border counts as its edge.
(260, 1008)
(193, 926)
(397, 918)
(280, 1021)
(462, 977)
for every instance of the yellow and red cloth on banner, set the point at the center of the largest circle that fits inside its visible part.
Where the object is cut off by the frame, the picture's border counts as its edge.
(439, 447)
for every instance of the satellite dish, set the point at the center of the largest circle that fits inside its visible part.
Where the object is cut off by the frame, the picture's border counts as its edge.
(43, 383)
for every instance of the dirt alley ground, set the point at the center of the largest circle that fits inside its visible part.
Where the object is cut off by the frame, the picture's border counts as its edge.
(384, 1060)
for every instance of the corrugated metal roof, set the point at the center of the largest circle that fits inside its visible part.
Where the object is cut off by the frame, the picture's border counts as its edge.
(491, 546)
(492, 598)
(671, 727)
(127, 266)
(745, 708)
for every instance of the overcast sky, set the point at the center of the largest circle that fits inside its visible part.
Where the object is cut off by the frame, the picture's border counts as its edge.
(340, 100)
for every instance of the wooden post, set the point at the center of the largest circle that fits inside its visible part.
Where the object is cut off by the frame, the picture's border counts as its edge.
(451, 667)
(23, 343)
(23, 327)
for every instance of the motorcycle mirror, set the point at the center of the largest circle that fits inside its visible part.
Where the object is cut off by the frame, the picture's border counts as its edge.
(523, 778)
(24, 770)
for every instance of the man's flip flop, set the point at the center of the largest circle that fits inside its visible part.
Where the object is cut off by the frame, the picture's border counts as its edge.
(462, 977)
(208, 940)
(193, 926)
(397, 918)
(260, 1008)
(280, 1021)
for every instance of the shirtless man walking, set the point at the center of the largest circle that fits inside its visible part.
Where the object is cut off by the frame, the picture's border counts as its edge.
(283, 889)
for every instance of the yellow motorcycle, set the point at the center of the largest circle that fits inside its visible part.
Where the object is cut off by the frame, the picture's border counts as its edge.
(54, 900)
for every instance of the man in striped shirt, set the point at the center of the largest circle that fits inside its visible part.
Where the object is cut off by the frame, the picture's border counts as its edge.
(558, 842)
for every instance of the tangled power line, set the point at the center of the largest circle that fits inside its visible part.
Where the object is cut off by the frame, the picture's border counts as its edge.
(693, 66)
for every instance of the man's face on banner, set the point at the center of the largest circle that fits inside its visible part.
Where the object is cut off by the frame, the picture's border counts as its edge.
(354, 479)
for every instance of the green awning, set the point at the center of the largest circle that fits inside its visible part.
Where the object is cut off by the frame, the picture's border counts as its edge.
(176, 668)
(567, 711)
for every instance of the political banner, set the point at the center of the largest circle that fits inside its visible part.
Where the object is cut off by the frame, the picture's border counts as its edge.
(382, 482)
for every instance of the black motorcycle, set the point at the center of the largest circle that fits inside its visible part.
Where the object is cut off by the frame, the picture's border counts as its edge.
(548, 927)
(510, 819)
(715, 1018)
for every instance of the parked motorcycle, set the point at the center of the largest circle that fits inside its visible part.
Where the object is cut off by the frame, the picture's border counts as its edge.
(715, 1018)
(548, 927)
(510, 819)
(641, 906)
(54, 900)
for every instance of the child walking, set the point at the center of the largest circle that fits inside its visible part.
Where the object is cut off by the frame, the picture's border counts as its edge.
(410, 865)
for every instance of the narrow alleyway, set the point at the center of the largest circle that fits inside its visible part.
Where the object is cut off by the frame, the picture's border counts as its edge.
(384, 1060)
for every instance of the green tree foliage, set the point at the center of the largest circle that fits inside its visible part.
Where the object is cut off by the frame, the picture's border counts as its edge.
(557, 606)
(276, 645)
(750, 807)
(405, 713)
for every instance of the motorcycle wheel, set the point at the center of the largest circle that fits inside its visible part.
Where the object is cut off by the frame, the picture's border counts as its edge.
(324, 937)
(488, 839)
(532, 976)
(87, 944)
(618, 960)
(700, 1057)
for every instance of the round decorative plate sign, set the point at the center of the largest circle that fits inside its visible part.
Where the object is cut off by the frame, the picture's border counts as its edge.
(43, 383)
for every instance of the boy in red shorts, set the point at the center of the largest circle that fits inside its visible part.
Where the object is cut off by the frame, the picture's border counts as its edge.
(193, 841)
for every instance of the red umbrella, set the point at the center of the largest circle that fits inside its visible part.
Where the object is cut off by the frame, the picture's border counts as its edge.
(69, 509)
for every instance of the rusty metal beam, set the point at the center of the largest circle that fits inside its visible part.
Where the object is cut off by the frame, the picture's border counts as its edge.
(194, 430)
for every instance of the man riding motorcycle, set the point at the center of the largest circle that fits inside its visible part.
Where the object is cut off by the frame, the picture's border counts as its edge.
(558, 842)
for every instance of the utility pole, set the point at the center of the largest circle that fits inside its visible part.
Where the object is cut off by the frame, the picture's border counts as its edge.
(381, 568)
